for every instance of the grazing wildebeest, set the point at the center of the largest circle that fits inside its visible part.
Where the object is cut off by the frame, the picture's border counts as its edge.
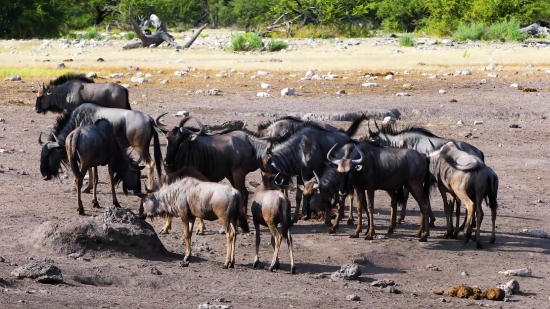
(93, 145)
(69, 91)
(369, 166)
(271, 207)
(421, 140)
(301, 154)
(228, 154)
(132, 128)
(194, 197)
(469, 180)
(327, 187)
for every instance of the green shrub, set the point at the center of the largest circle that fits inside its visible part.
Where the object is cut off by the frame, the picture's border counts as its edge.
(130, 35)
(508, 30)
(276, 45)
(91, 33)
(246, 42)
(469, 32)
(406, 40)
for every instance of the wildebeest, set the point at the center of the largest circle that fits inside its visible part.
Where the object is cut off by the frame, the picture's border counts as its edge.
(419, 139)
(327, 187)
(369, 166)
(301, 154)
(467, 178)
(93, 145)
(69, 91)
(132, 128)
(271, 207)
(194, 197)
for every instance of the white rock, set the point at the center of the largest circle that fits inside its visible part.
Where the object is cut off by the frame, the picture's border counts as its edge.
(213, 91)
(182, 113)
(370, 85)
(388, 77)
(492, 75)
(309, 73)
(478, 122)
(288, 91)
(177, 73)
(164, 81)
(547, 72)
(60, 65)
(432, 76)
(402, 94)
(483, 81)
(407, 72)
(139, 74)
(266, 86)
(13, 78)
(116, 75)
(466, 72)
(148, 75)
(514, 85)
(407, 86)
(524, 272)
(388, 119)
(139, 80)
(263, 95)
(489, 67)
(127, 86)
(460, 123)
(442, 91)
(262, 73)
(341, 91)
(538, 233)
(91, 75)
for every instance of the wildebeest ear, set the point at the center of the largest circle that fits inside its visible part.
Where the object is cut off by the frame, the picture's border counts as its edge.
(193, 137)
(254, 184)
(358, 167)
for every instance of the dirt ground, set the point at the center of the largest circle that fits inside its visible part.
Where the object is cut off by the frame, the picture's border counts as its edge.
(520, 157)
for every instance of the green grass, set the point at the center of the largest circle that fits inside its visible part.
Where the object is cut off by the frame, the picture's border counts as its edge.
(465, 32)
(130, 35)
(505, 30)
(276, 45)
(33, 72)
(246, 42)
(91, 33)
(406, 40)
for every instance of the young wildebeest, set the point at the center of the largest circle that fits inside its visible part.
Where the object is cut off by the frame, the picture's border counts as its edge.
(369, 166)
(194, 197)
(327, 187)
(132, 128)
(467, 178)
(69, 91)
(94, 145)
(271, 207)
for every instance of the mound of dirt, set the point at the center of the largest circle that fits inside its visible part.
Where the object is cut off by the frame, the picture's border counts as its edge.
(116, 230)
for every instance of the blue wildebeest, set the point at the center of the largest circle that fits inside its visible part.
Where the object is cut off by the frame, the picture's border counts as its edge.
(469, 180)
(132, 129)
(421, 140)
(303, 153)
(271, 207)
(69, 91)
(327, 187)
(193, 196)
(93, 145)
(369, 166)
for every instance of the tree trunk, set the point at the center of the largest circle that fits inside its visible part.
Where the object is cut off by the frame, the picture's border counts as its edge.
(161, 34)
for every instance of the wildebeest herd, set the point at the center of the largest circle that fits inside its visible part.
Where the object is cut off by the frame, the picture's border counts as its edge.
(97, 127)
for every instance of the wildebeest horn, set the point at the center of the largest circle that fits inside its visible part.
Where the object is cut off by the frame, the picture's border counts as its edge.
(368, 129)
(358, 161)
(162, 126)
(40, 139)
(317, 177)
(55, 137)
(376, 125)
(201, 126)
(329, 156)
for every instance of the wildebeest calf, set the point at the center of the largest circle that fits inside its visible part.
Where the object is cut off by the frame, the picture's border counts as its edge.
(271, 207)
(194, 197)
(93, 145)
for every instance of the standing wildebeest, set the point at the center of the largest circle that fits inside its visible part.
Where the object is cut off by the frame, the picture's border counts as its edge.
(468, 179)
(194, 197)
(369, 166)
(327, 187)
(303, 153)
(421, 140)
(132, 128)
(69, 91)
(94, 145)
(269, 208)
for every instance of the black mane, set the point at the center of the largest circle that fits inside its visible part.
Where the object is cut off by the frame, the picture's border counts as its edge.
(68, 77)
(60, 122)
(186, 171)
(391, 129)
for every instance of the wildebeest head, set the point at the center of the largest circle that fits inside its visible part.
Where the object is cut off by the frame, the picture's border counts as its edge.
(149, 206)
(178, 137)
(310, 188)
(346, 165)
(132, 176)
(50, 158)
(42, 102)
(374, 136)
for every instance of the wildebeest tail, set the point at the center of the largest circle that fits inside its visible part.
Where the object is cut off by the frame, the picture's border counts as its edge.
(492, 191)
(400, 198)
(156, 149)
(127, 99)
(72, 142)
(287, 219)
(427, 179)
(243, 222)
(354, 126)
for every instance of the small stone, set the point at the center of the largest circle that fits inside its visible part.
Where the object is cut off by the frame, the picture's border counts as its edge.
(139, 80)
(524, 272)
(391, 290)
(453, 100)
(492, 75)
(370, 85)
(42, 273)
(2, 260)
(263, 95)
(514, 286)
(223, 300)
(164, 81)
(213, 91)
(13, 78)
(353, 297)
(443, 300)
(116, 75)
(340, 92)
(75, 255)
(319, 276)
(402, 94)
(309, 73)
(182, 113)
(262, 73)
(155, 271)
(266, 86)
(460, 123)
(288, 91)
(60, 65)
(383, 283)
(442, 91)
(388, 77)
(439, 292)
(483, 81)
(514, 85)
(347, 272)
(514, 126)
(464, 274)
(478, 122)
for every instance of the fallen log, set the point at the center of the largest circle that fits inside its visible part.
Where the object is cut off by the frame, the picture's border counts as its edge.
(160, 36)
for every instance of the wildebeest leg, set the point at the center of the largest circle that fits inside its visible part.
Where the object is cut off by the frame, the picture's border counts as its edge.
(201, 227)
(78, 186)
(458, 227)
(233, 228)
(229, 234)
(299, 183)
(493, 219)
(361, 204)
(447, 207)
(278, 239)
(187, 238)
(90, 184)
(328, 206)
(470, 208)
(112, 182)
(339, 215)
(350, 214)
(404, 207)
(289, 244)
(167, 226)
(257, 232)
(422, 200)
(370, 209)
(479, 217)
(93, 177)
(393, 215)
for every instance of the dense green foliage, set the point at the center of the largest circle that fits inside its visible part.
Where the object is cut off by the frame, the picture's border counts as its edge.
(465, 19)
(406, 40)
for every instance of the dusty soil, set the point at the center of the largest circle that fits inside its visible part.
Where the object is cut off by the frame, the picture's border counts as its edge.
(520, 156)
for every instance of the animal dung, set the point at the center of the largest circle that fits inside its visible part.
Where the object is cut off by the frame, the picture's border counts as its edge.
(100, 60)
(453, 100)
(495, 294)
(439, 292)
(464, 291)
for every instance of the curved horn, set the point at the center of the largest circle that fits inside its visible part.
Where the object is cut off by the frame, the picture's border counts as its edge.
(317, 177)
(184, 120)
(376, 125)
(368, 129)
(55, 137)
(138, 161)
(40, 139)
(201, 126)
(162, 126)
(329, 156)
(358, 161)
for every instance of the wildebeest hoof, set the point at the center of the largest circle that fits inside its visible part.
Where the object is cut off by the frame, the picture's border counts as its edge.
(331, 231)
(116, 204)
(390, 231)
(81, 213)
(492, 241)
(447, 235)
(164, 231)
(400, 220)
(369, 237)
(423, 238)
(256, 264)
(479, 245)
(271, 268)
(277, 265)
(232, 265)
(354, 236)
(350, 222)
(432, 224)
(202, 233)
(87, 191)
(328, 223)
(293, 270)
(221, 231)
(95, 204)
(226, 266)
(184, 263)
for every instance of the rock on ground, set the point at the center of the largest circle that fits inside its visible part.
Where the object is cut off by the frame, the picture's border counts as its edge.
(209, 306)
(42, 273)
(347, 272)
(117, 230)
